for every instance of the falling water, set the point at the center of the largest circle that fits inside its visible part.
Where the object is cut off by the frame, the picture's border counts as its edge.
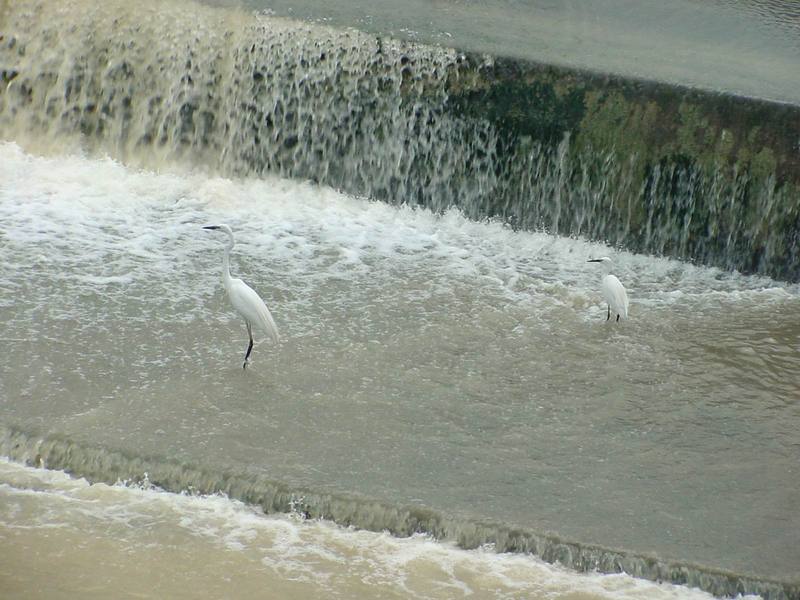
(248, 95)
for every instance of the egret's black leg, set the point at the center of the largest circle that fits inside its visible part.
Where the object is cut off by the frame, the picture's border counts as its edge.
(617, 318)
(609, 313)
(249, 347)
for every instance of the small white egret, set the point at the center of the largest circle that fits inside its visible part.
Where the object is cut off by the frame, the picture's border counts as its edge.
(244, 298)
(613, 290)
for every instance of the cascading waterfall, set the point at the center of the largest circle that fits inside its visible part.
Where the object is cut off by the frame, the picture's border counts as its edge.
(250, 96)
(396, 121)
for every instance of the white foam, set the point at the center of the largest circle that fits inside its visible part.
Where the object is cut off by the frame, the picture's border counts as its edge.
(301, 550)
(95, 225)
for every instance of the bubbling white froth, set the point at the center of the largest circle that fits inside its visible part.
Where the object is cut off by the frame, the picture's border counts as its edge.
(317, 553)
(93, 227)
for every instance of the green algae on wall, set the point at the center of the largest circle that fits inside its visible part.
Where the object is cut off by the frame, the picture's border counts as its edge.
(647, 166)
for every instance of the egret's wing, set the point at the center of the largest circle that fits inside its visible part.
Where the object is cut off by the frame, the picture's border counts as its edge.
(250, 305)
(615, 295)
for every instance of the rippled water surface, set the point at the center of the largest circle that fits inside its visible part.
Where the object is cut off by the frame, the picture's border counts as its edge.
(425, 359)
(748, 47)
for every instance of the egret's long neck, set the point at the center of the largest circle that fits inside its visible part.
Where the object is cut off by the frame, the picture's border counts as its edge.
(226, 263)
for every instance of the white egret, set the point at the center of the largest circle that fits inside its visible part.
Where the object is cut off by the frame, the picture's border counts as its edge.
(613, 290)
(244, 298)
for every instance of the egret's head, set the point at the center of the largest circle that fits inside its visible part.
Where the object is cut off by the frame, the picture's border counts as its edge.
(604, 261)
(222, 227)
(226, 228)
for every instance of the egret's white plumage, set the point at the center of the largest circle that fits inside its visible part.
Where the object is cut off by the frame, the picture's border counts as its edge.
(244, 298)
(613, 291)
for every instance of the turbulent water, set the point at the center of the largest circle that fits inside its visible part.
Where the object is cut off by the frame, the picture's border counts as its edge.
(441, 377)
(427, 361)
(245, 94)
(134, 541)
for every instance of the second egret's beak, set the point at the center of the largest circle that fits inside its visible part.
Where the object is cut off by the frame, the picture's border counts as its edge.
(594, 260)
(210, 226)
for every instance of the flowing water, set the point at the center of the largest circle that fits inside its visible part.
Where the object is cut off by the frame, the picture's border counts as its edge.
(427, 361)
(749, 47)
(133, 541)
(443, 378)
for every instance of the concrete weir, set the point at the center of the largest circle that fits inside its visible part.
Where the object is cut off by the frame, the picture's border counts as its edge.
(101, 465)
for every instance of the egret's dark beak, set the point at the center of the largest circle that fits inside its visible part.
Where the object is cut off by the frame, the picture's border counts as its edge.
(594, 260)
(210, 226)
